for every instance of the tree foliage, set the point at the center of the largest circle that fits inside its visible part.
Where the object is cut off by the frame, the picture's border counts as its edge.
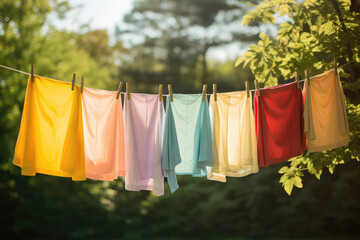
(179, 36)
(315, 33)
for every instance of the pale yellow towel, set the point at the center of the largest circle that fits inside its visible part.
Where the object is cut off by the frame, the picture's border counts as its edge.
(234, 138)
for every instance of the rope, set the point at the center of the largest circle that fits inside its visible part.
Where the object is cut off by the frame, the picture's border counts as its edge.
(15, 70)
(208, 94)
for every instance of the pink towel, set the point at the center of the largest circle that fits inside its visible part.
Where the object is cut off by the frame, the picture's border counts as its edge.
(103, 135)
(143, 118)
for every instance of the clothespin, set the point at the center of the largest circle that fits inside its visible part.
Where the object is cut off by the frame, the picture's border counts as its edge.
(119, 90)
(215, 92)
(257, 87)
(82, 84)
(32, 72)
(170, 92)
(73, 82)
(297, 80)
(247, 89)
(160, 92)
(204, 92)
(128, 90)
(307, 76)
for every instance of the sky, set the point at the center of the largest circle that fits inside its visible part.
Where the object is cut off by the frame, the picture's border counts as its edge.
(106, 14)
(103, 14)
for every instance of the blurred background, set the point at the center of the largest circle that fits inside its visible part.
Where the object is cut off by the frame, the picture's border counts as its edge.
(147, 42)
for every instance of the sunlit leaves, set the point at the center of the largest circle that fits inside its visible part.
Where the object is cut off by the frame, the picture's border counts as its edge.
(291, 177)
(309, 41)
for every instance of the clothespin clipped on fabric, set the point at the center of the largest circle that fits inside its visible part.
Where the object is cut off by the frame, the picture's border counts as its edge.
(160, 92)
(82, 84)
(247, 89)
(307, 76)
(215, 92)
(73, 82)
(119, 90)
(32, 72)
(297, 80)
(128, 90)
(170, 92)
(204, 92)
(257, 87)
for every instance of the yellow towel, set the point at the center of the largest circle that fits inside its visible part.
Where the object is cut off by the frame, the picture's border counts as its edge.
(326, 123)
(234, 139)
(51, 138)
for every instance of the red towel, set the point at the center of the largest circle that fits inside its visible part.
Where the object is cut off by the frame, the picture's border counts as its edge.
(279, 124)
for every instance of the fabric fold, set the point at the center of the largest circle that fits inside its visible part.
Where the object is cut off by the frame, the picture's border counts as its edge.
(103, 135)
(234, 150)
(171, 153)
(308, 121)
(51, 137)
(279, 124)
(325, 108)
(143, 125)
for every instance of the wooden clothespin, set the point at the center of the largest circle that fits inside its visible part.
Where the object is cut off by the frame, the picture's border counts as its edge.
(297, 80)
(215, 92)
(257, 87)
(170, 92)
(119, 90)
(307, 76)
(160, 92)
(73, 82)
(32, 72)
(247, 89)
(128, 90)
(204, 92)
(82, 84)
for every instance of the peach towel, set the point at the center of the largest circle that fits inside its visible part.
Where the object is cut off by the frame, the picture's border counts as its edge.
(326, 123)
(103, 135)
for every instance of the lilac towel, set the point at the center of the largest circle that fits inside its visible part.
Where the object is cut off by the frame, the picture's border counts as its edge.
(143, 118)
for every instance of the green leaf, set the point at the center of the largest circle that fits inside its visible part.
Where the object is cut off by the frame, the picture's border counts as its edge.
(288, 186)
(283, 170)
(247, 61)
(285, 71)
(297, 182)
(305, 37)
(239, 61)
(283, 178)
(284, 9)
(263, 36)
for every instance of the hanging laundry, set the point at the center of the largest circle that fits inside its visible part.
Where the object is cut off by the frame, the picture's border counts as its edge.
(193, 129)
(103, 135)
(171, 152)
(143, 119)
(326, 123)
(51, 140)
(279, 124)
(234, 150)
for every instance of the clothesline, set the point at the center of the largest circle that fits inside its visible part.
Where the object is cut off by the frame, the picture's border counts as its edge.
(208, 94)
(90, 135)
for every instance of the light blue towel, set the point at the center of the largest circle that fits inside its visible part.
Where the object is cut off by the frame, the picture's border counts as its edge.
(193, 128)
